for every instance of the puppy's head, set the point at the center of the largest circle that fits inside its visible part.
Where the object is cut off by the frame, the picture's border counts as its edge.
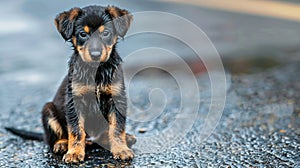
(93, 30)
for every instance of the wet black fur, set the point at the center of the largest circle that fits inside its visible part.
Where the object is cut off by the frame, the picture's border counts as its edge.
(106, 73)
(62, 108)
(85, 73)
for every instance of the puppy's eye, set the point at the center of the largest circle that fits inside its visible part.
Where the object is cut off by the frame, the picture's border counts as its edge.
(106, 33)
(83, 34)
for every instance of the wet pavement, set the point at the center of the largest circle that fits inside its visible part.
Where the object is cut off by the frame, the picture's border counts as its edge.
(259, 127)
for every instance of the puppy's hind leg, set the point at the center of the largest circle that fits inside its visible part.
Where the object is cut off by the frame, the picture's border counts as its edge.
(54, 123)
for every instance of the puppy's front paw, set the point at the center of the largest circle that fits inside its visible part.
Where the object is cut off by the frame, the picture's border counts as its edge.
(74, 156)
(122, 152)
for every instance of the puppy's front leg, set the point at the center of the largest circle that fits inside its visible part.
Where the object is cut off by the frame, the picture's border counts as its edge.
(76, 133)
(117, 135)
(76, 142)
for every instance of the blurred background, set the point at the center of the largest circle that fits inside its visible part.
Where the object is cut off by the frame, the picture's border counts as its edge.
(251, 37)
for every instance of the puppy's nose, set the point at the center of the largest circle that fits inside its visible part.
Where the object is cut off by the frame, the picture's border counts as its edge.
(95, 54)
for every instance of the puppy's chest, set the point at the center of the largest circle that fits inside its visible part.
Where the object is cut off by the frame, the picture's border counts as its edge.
(90, 102)
(88, 97)
(92, 91)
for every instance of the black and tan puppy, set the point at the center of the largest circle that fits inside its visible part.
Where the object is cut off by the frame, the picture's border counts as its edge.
(90, 104)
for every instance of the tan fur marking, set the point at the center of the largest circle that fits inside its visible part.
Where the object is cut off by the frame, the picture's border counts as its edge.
(104, 140)
(55, 126)
(106, 51)
(101, 28)
(63, 15)
(61, 141)
(76, 149)
(80, 51)
(86, 29)
(73, 138)
(113, 89)
(80, 89)
(118, 146)
(109, 49)
(104, 56)
(84, 54)
(112, 130)
(113, 11)
(74, 13)
(60, 146)
(74, 40)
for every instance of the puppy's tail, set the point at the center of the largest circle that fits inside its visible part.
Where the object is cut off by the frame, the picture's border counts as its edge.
(26, 134)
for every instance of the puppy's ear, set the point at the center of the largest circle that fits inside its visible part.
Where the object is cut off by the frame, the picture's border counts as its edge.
(121, 19)
(65, 22)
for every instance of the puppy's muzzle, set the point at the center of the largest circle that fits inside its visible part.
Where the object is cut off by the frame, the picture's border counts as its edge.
(95, 45)
(95, 53)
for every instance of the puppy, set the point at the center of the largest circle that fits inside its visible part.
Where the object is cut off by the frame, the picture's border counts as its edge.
(90, 104)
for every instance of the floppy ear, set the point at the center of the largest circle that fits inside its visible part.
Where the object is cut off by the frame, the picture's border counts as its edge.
(121, 19)
(65, 22)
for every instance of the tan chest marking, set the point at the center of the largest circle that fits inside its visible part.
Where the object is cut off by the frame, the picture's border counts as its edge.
(113, 89)
(80, 89)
